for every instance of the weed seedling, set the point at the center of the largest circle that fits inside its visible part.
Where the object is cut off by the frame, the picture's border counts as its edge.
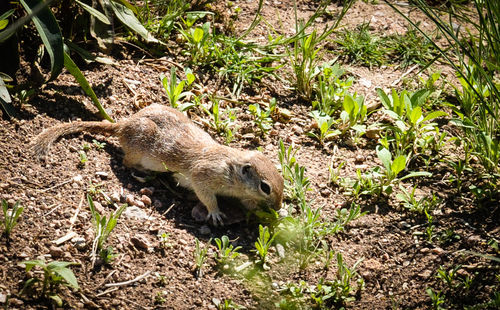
(225, 251)
(325, 123)
(103, 228)
(200, 255)
(448, 277)
(262, 245)
(175, 90)
(83, 158)
(54, 274)
(10, 217)
(98, 145)
(263, 117)
(436, 298)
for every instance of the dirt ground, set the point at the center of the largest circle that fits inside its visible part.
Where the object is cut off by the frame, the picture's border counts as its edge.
(398, 263)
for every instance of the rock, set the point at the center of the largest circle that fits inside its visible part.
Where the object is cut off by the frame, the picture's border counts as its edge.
(56, 252)
(425, 274)
(98, 206)
(140, 242)
(365, 82)
(102, 174)
(205, 230)
(139, 203)
(359, 159)
(145, 200)
(325, 192)
(79, 243)
(148, 191)
(115, 197)
(134, 212)
(14, 302)
(77, 178)
(280, 250)
(372, 134)
(438, 251)
(129, 199)
(385, 257)
(3, 298)
(297, 129)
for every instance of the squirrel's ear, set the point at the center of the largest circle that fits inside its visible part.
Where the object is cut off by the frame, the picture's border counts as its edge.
(246, 169)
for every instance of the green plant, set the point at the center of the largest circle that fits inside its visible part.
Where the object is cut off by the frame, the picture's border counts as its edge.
(226, 304)
(410, 48)
(448, 277)
(199, 42)
(429, 230)
(83, 158)
(107, 255)
(200, 255)
(103, 227)
(325, 123)
(476, 58)
(225, 250)
(353, 115)
(222, 120)
(411, 133)
(305, 53)
(330, 88)
(175, 90)
(159, 16)
(98, 145)
(10, 217)
(360, 46)
(54, 274)
(413, 204)
(164, 240)
(262, 245)
(436, 298)
(263, 117)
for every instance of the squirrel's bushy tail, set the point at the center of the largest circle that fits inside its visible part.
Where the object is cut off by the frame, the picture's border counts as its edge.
(43, 141)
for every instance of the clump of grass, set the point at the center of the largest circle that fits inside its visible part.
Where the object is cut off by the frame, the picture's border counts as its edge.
(360, 46)
(11, 216)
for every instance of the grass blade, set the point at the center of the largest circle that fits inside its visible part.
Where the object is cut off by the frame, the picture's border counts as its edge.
(49, 31)
(80, 78)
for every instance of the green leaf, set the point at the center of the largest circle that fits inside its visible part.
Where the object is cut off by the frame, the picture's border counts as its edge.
(49, 32)
(128, 5)
(416, 174)
(68, 276)
(434, 115)
(100, 16)
(3, 23)
(386, 102)
(415, 115)
(385, 157)
(80, 78)
(7, 14)
(198, 35)
(398, 164)
(127, 17)
(57, 300)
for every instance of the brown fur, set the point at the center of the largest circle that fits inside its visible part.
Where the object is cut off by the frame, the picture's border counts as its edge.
(160, 137)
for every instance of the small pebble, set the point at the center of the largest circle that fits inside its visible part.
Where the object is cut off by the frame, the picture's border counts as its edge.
(146, 200)
(140, 242)
(359, 159)
(438, 251)
(98, 206)
(139, 203)
(103, 175)
(129, 199)
(115, 197)
(148, 191)
(56, 252)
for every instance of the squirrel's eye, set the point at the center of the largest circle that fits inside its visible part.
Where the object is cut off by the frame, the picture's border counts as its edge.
(246, 169)
(265, 188)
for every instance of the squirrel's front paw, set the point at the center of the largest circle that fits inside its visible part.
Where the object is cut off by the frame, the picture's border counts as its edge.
(216, 217)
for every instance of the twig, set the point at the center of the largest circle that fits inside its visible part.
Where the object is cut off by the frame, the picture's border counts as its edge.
(139, 278)
(52, 210)
(107, 291)
(55, 186)
(168, 210)
(65, 238)
(403, 75)
(77, 211)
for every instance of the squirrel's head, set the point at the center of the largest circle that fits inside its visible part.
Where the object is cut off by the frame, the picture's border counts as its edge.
(261, 181)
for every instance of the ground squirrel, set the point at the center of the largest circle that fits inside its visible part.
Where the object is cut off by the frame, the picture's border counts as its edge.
(158, 138)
